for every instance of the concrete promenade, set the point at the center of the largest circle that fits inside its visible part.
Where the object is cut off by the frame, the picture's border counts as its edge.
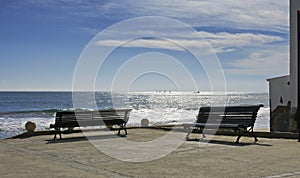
(76, 156)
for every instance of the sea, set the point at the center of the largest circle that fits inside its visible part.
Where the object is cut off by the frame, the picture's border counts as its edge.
(159, 107)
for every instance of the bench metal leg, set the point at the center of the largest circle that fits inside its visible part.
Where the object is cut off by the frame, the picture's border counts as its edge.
(60, 134)
(238, 139)
(241, 132)
(119, 130)
(299, 136)
(255, 139)
(250, 132)
(57, 131)
(253, 135)
(125, 130)
(123, 126)
(189, 131)
(187, 136)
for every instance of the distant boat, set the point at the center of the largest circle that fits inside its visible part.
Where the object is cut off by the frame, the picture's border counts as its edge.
(197, 92)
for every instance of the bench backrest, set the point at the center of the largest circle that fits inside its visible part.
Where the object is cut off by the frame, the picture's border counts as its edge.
(92, 118)
(242, 115)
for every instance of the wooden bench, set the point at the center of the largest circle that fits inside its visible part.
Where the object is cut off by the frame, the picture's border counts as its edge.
(71, 119)
(239, 118)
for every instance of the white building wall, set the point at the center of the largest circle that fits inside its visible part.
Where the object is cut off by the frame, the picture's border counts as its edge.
(279, 87)
(279, 91)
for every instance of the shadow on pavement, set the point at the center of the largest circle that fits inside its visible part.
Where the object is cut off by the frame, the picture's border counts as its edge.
(228, 142)
(83, 138)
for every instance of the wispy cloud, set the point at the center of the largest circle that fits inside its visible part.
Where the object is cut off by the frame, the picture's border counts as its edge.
(141, 43)
(239, 39)
(221, 42)
(228, 42)
(253, 14)
(246, 14)
(267, 62)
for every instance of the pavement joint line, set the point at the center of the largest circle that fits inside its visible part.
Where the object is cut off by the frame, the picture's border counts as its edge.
(61, 160)
(285, 175)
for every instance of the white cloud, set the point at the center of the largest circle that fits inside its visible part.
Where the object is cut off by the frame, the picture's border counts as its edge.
(221, 42)
(267, 62)
(141, 43)
(253, 14)
(272, 15)
(239, 39)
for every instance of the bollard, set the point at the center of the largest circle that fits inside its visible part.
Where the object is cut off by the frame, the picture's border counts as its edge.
(145, 122)
(30, 126)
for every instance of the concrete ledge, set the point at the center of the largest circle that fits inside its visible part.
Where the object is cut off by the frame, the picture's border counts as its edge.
(169, 127)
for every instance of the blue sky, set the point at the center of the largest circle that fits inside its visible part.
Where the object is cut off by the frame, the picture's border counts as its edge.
(42, 40)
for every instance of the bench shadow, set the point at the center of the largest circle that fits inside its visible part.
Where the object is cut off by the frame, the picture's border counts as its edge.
(82, 138)
(229, 142)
